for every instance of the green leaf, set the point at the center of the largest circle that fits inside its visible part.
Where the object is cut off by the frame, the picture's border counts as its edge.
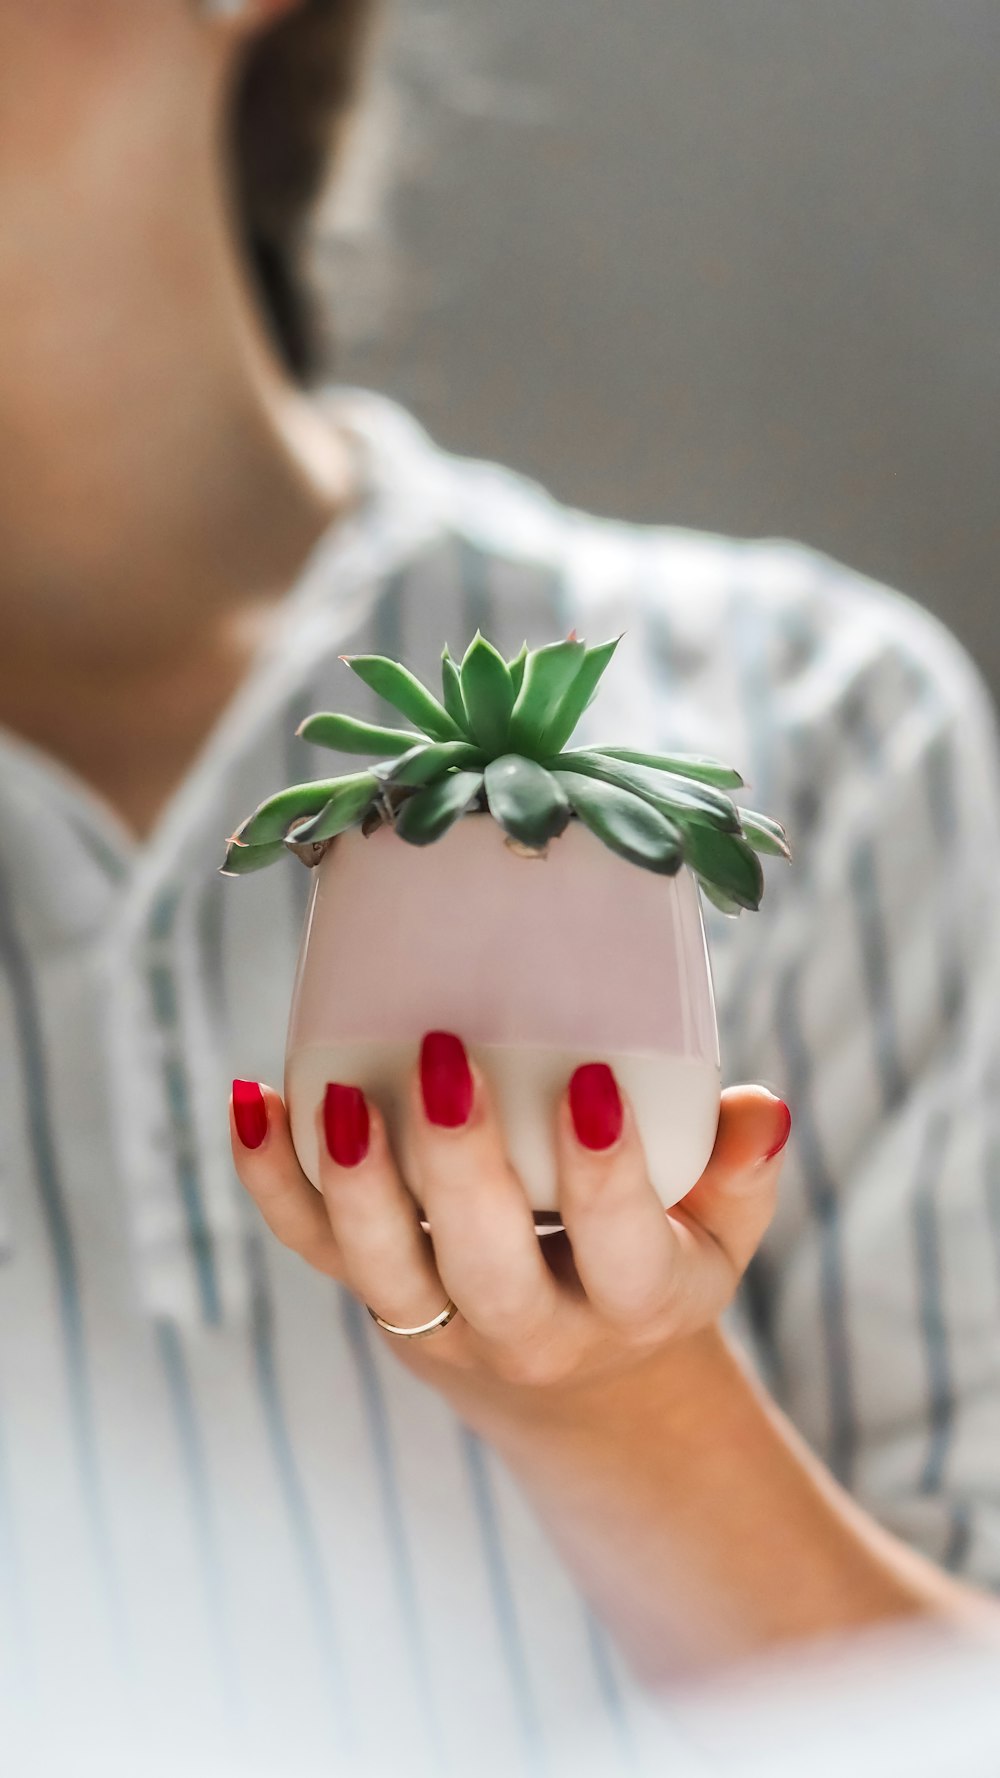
(399, 687)
(451, 687)
(548, 674)
(526, 800)
(241, 860)
(488, 695)
(347, 735)
(726, 863)
(271, 820)
(724, 903)
(429, 813)
(679, 798)
(578, 694)
(764, 834)
(631, 827)
(350, 798)
(686, 765)
(517, 668)
(429, 760)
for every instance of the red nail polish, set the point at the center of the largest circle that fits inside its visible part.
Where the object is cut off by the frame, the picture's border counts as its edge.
(784, 1131)
(346, 1124)
(596, 1105)
(249, 1113)
(445, 1080)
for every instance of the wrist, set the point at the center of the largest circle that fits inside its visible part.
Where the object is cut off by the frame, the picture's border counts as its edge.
(682, 1388)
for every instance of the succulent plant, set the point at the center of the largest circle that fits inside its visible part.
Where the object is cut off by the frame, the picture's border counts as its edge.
(497, 742)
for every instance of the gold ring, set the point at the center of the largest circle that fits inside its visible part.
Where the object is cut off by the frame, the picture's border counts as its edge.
(447, 1314)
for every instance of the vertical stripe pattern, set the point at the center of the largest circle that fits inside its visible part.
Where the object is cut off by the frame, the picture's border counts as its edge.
(163, 994)
(354, 1320)
(43, 1156)
(252, 1485)
(518, 1675)
(202, 1506)
(312, 1574)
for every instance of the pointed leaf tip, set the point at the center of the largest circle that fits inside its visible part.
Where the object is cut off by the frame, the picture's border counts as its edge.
(270, 820)
(685, 765)
(346, 804)
(487, 695)
(401, 688)
(247, 859)
(765, 834)
(451, 691)
(517, 667)
(548, 673)
(345, 734)
(577, 694)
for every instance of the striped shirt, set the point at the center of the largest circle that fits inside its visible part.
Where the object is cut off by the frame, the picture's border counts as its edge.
(223, 1504)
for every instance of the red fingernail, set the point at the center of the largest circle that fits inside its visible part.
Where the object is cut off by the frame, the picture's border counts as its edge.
(596, 1105)
(249, 1113)
(784, 1131)
(346, 1123)
(445, 1080)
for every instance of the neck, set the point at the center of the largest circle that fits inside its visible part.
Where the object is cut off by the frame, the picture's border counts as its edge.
(167, 475)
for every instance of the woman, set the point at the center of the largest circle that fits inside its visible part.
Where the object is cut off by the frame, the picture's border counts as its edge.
(212, 1465)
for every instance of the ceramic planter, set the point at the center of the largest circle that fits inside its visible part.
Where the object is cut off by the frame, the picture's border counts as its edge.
(537, 964)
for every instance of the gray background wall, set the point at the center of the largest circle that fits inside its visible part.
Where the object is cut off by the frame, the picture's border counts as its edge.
(732, 265)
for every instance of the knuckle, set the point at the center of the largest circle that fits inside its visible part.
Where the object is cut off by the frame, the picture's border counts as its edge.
(641, 1293)
(600, 1185)
(643, 1322)
(583, 1186)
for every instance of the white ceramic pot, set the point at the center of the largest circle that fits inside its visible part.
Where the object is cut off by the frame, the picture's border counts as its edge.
(537, 964)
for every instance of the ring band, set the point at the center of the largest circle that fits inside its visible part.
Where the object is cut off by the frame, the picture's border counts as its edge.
(447, 1314)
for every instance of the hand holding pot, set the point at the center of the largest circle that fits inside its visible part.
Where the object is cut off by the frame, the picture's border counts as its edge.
(694, 1518)
(626, 1279)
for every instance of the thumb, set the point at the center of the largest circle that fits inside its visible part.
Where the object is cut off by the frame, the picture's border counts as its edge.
(735, 1197)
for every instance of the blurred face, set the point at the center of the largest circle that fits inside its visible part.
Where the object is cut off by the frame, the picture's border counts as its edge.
(79, 72)
(72, 67)
(117, 268)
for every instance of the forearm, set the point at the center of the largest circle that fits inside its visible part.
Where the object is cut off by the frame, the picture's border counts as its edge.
(694, 1518)
(698, 1522)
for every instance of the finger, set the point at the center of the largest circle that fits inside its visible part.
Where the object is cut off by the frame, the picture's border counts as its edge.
(268, 1167)
(481, 1223)
(629, 1256)
(734, 1200)
(387, 1259)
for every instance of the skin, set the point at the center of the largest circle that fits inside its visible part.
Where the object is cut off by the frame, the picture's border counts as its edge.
(143, 563)
(161, 484)
(594, 1362)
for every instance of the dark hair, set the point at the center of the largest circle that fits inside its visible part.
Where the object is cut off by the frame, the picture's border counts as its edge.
(297, 89)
